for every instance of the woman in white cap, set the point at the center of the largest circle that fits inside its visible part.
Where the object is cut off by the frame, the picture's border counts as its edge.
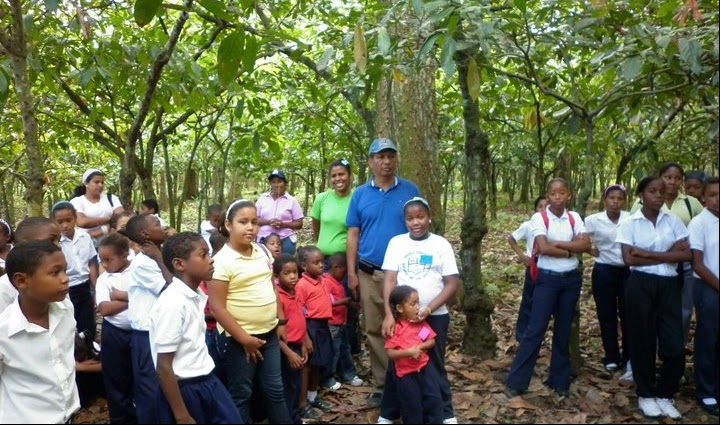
(93, 209)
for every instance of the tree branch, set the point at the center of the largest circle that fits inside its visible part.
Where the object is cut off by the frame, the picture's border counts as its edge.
(83, 106)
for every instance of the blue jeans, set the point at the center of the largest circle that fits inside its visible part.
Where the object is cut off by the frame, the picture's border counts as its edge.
(243, 375)
(608, 286)
(288, 246)
(706, 341)
(555, 295)
(211, 340)
(342, 362)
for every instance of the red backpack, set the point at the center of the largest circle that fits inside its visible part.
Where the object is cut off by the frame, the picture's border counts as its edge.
(533, 261)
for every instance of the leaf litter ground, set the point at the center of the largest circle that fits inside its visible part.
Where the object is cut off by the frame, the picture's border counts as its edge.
(478, 385)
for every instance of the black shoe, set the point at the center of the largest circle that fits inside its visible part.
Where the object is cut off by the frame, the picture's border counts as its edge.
(322, 405)
(374, 399)
(562, 393)
(307, 412)
(511, 392)
(712, 409)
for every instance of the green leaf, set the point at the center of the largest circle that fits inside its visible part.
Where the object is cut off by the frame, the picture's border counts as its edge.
(217, 8)
(520, 4)
(573, 124)
(587, 22)
(229, 57)
(630, 69)
(51, 5)
(239, 108)
(145, 10)
(690, 54)
(324, 60)
(447, 59)
(428, 45)
(383, 41)
(250, 54)
(3, 83)
(418, 8)
(473, 80)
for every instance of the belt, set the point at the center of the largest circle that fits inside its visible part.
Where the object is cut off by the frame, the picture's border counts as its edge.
(560, 274)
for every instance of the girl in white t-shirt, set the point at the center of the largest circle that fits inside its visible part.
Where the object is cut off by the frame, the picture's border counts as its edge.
(93, 209)
(426, 262)
(609, 274)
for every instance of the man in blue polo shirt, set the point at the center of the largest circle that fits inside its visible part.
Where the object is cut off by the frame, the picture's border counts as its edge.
(374, 216)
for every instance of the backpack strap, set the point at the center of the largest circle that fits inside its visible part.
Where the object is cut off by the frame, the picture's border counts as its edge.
(689, 208)
(571, 219)
(109, 196)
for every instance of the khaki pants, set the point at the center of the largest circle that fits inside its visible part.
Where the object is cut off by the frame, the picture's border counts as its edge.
(371, 300)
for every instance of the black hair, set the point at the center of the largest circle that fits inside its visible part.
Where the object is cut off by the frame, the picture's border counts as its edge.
(537, 201)
(668, 165)
(557, 180)
(696, 175)
(217, 240)
(80, 189)
(115, 218)
(233, 208)
(214, 208)
(152, 204)
(337, 259)
(7, 230)
(116, 241)
(134, 228)
(340, 163)
(264, 239)
(27, 229)
(62, 205)
(179, 245)
(644, 182)
(283, 259)
(304, 252)
(398, 296)
(26, 256)
(711, 180)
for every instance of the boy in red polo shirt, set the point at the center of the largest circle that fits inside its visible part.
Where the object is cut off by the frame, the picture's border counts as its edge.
(313, 296)
(342, 363)
(407, 345)
(295, 350)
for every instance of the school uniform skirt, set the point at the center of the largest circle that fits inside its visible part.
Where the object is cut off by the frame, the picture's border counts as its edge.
(323, 352)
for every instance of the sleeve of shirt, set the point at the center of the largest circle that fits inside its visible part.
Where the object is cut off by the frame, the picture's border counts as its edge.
(393, 342)
(590, 224)
(222, 271)
(697, 242)
(78, 204)
(102, 289)
(352, 219)
(296, 210)
(392, 258)
(300, 294)
(521, 232)
(449, 265)
(317, 206)
(115, 202)
(678, 227)
(625, 232)
(148, 275)
(169, 328)
(537, 226)
(579, 224)
(90, 248)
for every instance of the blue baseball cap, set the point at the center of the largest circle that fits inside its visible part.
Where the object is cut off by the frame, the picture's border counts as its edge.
(382, 144)
(277, 173)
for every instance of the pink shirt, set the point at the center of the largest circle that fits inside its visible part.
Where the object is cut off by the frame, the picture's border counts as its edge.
(285, 208)
(408, 334)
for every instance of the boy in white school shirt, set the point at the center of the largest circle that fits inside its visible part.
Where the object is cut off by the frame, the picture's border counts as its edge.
(192, 393)
(37, 335)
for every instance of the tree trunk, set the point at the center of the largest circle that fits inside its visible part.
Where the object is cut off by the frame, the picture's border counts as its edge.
(478, 338)
(588, 171)
(15, 45)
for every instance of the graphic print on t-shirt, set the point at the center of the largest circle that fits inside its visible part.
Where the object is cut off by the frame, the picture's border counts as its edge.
(417, 265)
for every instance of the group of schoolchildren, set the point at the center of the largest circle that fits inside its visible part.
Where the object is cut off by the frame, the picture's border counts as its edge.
(651, 265)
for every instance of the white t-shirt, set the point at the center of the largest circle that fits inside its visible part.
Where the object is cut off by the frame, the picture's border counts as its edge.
(100, 209)
(559, 229)
(177, 325)
(103, 289)
(421, 265)
(704, 234)
(641, 233)
(525, 232)
(604, 235)
(206, 229)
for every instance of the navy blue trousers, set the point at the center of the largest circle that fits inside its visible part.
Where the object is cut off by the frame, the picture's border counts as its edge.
(144, 378)
(292, 382)
(555, 295)
(117, 373)
(83, 302)
(206, 399)
(706, 341)
(525, 305)
(420, 400)
(608, 287)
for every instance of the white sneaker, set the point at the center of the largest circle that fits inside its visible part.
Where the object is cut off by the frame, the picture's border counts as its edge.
(627, 376)
(667, 405)
(334, 387)
(452, 420)
(355, 382)
(649, 407)
(382, 420)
